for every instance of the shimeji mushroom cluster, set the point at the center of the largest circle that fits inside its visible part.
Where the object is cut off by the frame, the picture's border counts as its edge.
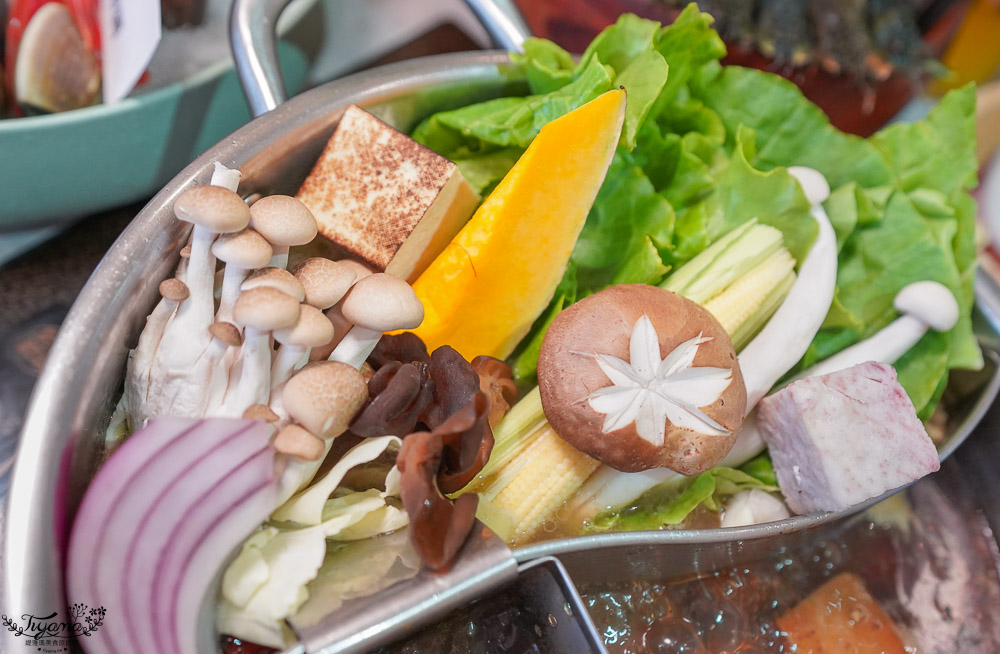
(247, 354)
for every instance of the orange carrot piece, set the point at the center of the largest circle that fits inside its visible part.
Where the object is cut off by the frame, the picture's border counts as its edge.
(841, 617)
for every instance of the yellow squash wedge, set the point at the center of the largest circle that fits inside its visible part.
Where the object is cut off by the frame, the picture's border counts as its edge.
(483, 292)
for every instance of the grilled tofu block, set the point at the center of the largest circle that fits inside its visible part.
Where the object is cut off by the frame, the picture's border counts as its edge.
(384, 198)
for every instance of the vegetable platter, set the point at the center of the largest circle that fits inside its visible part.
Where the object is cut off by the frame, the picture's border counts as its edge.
(858, 253)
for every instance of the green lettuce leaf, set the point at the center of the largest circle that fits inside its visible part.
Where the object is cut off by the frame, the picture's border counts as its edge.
(507, 122)
(671, 503)
(875, 263)
(620, 44)
(688, 45)
(628, 217)
(761, 468)
(791, 131)
(773, 198)
(546, 66)
(485, 171)
(627, 48)
(643, 79)
(938, 152)
(705, 148)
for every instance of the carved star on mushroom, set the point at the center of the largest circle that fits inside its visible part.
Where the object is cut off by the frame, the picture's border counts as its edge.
(649, 391)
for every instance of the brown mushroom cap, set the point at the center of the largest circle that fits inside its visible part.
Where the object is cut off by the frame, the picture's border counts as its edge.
(312, 329)
(360, 269)
(226, 332)
(603, 324)
(260, 412)
(325, 282)
(265, 309)
(174, 289)
(294, 440)
(278, 278)
(245, 249)
(323, 397)
(283, 220)
(383, 303)
(213, 207)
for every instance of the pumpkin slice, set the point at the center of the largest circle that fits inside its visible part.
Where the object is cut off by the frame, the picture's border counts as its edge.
(483, 292)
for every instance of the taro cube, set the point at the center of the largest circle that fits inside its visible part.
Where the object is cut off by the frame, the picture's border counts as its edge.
(839, 439)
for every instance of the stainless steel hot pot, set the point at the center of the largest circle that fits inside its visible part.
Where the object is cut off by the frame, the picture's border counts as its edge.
(63, 436)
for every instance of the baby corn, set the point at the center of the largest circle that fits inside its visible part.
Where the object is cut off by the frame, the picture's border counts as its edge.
(535, 484)
(746, 304)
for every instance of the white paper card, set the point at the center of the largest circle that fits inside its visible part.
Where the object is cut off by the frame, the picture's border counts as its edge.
(130, 32)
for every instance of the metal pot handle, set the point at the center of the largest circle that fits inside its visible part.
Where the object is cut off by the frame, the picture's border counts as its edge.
(503, 22)
(252, 36)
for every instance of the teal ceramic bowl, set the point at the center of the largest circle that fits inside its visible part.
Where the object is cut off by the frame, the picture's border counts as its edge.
(60, 167)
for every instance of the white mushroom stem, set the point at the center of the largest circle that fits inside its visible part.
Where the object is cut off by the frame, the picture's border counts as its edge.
(749, 444)
(186, 335)
(376, 304)
(355, 348)
(220, 381)
(788, 333)
(140, 362)
(226, 177)
(772, 353)
(324, 399)
(232, 278)
(753, 507)
(260, 311)
(288, 359)
(297, 473)
(280, 257)
(277, 405)
(199, 309)
(160, 323)
(608, 489)
(192, 399)
(254, 385)
(312, 329)
(923, 305)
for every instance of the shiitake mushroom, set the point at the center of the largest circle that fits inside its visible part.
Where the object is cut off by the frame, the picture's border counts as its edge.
(675, 373)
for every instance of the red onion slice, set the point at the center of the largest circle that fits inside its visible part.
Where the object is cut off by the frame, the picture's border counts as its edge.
(167, 514)
(179, 547)
(158, 522)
